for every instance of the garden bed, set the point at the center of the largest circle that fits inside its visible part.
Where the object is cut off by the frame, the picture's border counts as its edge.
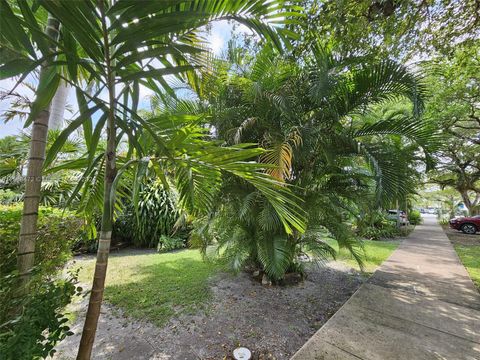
(155, 310)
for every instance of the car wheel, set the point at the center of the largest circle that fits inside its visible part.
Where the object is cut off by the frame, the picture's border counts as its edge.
(469, 229)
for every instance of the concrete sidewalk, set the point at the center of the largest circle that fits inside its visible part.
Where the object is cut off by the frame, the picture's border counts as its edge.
(420, 304)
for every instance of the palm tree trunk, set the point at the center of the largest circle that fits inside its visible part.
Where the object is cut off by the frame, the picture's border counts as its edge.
(57, 108)
(33, 182)
(98, 287)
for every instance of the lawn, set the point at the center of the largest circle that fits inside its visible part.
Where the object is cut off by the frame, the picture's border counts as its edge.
(468, 250)
(146, 284)
(470, 257)
(376, 252)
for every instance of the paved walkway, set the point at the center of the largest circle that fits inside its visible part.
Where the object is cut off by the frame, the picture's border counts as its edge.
(420, 304)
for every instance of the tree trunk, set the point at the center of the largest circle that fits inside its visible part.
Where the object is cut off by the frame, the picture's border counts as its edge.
(471, 206)
(98, 287)
(33, 182)
(57, 108)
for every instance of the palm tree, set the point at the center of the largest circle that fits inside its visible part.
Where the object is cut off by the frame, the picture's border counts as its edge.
(121, 45)
(312, 116)
(39, 119)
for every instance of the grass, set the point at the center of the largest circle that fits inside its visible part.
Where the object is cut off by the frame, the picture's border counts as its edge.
(155, 286)
(148, 285)
(468, 250)
(376, 252)
(470, 257)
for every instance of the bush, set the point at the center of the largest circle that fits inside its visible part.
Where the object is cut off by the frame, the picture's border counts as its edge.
(167, 243)
(155, 217)
(57, 231)
(443, 221)
(40, 324)
(375, 226)
(32, 325)
(414, 217)
(8, 196)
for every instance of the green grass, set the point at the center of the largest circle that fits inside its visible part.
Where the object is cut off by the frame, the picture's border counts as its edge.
(376, 252)
(155, 286)
(470, 257)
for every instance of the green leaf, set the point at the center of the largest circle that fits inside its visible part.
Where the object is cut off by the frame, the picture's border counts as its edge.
(17, 67)
(47, 87)
(74, 125)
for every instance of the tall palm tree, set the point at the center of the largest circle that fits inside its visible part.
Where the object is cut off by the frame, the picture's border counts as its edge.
(121, 45)
(39, 119)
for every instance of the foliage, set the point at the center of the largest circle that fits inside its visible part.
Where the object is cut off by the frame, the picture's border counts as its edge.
(381, 228)
(9, 197)
(414, 217)
(375, 225)
(57, 231)
(444, 221)
(42, 323)
(330, 129)
(156, 214)
(56, 187)
(454, 104)
(153, 286)
(167, 243)
(396, 28)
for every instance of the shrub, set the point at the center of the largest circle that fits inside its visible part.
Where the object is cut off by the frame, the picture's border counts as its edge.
(57, 231)
(8, 196)
(167, 243)
(374, 233)
(40, 324)
(414, 217)
(375, 226)
(443, 221)
(157, 214)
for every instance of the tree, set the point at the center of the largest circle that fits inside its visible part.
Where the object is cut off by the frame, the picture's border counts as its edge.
(312, 117)
(123, 44)
(39, 119)
(454, 105)
(401, 29)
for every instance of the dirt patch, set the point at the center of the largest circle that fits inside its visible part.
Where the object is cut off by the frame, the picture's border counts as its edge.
(459, 238)
(273, 322)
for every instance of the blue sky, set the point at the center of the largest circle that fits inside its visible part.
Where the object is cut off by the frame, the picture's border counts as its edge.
(218, 37)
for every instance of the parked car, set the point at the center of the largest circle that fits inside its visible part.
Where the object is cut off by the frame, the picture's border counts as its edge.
(393, 215)
(469, 224)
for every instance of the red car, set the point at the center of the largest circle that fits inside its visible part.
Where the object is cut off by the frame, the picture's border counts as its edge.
(469, 225)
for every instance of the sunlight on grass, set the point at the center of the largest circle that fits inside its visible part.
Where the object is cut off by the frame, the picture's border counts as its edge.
(470, 257)
(376, 252)
(155, 286)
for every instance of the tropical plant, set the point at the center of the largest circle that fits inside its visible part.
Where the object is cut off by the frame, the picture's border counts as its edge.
(156, 214)
(16, 44)
(34, 333)
(414, 217)
(114, 43)
(327, 132)
(57, 231)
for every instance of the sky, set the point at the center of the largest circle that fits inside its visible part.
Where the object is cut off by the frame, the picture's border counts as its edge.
(218, 38)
